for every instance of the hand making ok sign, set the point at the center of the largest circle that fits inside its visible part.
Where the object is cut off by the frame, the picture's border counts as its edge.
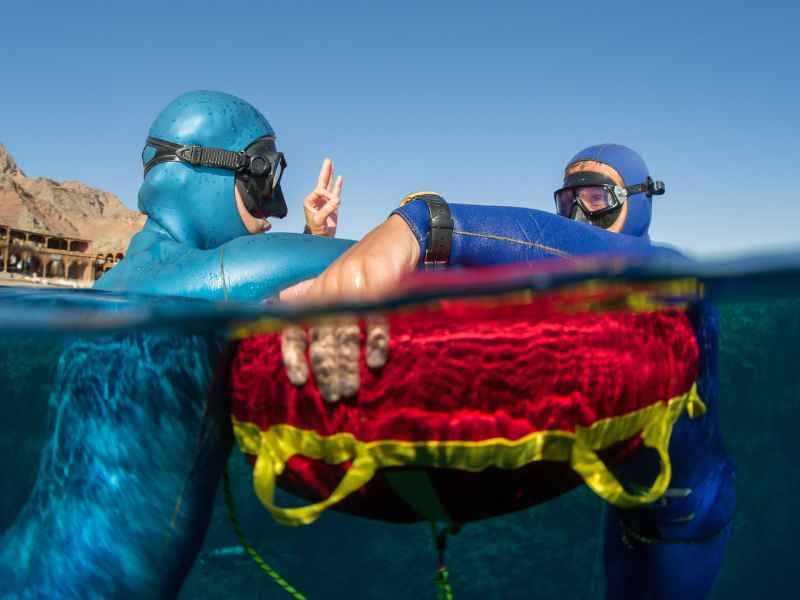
(322, 205)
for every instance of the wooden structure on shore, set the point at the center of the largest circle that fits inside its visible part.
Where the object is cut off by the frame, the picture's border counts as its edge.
(34, 258)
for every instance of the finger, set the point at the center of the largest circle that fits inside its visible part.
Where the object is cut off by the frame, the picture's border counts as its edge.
(329, 188)
(323, 361)
(348, 335)
(325, 174)
(377, 341)
(314, 200)
(293, 349)
(310, 202)
(337, 189)
(331, 206)
(332, 220)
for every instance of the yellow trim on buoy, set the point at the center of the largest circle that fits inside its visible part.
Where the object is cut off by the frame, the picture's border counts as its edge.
(275, 446)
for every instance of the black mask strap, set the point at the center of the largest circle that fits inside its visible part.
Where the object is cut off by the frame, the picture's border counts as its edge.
(649, 188)
(588, 178)
(195, 156)
(258, 170)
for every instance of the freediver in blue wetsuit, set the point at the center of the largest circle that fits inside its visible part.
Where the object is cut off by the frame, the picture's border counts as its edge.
(138, 433)
(212, 178)
(673, 548)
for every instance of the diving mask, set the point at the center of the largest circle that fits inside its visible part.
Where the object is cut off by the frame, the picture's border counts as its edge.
(597, 195)
(258, 169)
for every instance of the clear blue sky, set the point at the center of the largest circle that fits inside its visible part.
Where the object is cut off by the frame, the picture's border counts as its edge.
(483, 102)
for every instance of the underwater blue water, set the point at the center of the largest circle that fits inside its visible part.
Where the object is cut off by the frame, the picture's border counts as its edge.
(550, 551)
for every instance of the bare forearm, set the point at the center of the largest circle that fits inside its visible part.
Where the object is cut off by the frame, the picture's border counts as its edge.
(371, 268)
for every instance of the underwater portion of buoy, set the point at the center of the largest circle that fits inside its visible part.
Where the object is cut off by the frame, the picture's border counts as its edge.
(486, 405)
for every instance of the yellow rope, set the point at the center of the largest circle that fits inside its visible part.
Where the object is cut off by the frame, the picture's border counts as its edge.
(444, 590)
(252, 552)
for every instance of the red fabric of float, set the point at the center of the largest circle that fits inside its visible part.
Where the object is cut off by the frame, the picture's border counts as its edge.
(466, 372)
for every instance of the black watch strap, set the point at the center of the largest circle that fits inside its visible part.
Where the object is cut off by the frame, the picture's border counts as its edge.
(440, 232)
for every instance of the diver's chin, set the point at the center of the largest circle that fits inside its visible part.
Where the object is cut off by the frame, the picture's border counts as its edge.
(265, 226)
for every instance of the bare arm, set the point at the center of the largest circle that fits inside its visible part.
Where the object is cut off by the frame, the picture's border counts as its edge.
(368, 270)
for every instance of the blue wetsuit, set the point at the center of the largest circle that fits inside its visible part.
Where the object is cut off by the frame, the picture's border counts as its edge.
(673, 548)
(248, 268)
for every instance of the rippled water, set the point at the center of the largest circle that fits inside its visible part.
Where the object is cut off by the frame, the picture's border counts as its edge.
(551, 551)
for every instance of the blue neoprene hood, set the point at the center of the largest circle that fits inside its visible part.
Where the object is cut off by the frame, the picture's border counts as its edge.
(195, 204)
(633, 170)
(194, 243)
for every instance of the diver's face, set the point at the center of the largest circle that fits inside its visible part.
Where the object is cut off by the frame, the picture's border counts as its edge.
(611, 173)
(251, 223)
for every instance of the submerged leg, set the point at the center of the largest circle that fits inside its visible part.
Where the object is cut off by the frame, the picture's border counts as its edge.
(127, 479)
(674, 547)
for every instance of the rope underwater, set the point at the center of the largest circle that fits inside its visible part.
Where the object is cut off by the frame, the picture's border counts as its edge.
(252, 552)
(444, 590)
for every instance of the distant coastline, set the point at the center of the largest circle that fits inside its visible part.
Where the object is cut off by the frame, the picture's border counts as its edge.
(58, 234)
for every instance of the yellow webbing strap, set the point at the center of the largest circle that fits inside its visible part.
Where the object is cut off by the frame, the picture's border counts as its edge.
(274, 447)
(655, 434)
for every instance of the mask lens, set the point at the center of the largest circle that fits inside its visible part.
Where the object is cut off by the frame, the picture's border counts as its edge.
(565, 198)
(595, 198)
(277, 169)
(259, 182)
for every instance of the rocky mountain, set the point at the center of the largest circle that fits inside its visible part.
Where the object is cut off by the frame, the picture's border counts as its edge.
(68, 208)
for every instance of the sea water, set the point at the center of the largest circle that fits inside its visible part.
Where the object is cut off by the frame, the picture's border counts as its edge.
(548, 552)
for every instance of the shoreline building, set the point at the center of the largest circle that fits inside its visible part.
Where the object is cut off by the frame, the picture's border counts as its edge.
(41, 259)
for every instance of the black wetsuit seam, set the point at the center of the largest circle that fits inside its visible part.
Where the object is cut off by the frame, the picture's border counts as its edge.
(222, 272)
